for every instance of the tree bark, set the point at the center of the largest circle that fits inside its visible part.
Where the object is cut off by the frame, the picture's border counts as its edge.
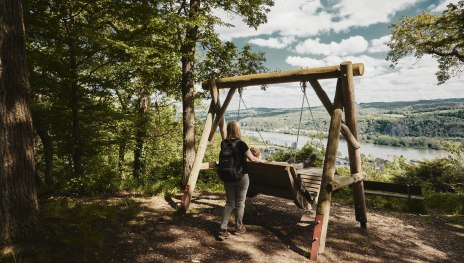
(141, 134)
(188, 109)
(18, 202)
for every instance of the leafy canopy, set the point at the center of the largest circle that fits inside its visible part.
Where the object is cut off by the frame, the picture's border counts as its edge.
(441, 36)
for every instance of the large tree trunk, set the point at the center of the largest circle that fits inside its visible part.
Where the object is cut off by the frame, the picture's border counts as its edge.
(18, 203)
(188, 99)
(141, 134)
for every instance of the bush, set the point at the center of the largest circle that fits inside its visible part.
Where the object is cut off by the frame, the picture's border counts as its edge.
(447, 202)
(301, 155)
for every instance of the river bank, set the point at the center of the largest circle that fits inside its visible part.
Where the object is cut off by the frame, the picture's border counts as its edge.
(377, 151)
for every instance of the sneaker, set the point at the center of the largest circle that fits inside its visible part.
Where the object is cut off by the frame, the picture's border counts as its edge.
(240, 230)
(223, 234)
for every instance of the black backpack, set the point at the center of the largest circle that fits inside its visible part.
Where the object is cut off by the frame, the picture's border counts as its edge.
(230, 164)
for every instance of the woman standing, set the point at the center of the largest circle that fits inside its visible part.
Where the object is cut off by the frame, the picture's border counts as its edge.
(236, 191)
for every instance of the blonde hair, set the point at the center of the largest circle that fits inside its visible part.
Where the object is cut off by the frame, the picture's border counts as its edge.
(233, 130)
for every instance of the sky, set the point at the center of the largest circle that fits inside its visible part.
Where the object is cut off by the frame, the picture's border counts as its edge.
(314, 33)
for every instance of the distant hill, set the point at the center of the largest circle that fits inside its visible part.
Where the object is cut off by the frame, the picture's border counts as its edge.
(422, 123)
(402, 104)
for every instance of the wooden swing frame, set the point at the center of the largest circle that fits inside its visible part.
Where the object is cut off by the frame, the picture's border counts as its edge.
(344, 101)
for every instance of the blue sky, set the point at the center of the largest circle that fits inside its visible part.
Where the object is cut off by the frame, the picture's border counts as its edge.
(314, 33)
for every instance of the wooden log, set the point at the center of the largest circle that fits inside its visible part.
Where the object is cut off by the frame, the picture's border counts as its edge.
(322, 95)
(325, 196)
(217, 107)
(220, 114)
(329, 107)
(354, 154)
(284, 77)
(345, 181)
(197, 163)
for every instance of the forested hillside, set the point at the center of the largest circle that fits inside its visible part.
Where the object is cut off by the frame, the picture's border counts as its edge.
(414, 124)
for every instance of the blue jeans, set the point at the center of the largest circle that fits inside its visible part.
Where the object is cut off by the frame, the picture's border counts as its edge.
(236, 195)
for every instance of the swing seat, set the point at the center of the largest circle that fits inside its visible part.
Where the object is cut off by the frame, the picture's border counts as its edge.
(285, 181)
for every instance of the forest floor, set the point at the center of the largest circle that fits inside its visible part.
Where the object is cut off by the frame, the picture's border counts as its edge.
(133, 228)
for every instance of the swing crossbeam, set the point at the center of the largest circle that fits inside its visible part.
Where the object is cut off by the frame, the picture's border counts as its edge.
(308, 74)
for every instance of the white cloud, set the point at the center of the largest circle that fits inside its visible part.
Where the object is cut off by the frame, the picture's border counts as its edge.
(303, 18)
(378, 45)
(362, 13)
(442, 6)
(278, 43)
(372, 66)
(304, 62)
(411, 80)
(352, 45)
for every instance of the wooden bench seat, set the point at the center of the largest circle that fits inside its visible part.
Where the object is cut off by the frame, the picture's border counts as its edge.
(285, 181)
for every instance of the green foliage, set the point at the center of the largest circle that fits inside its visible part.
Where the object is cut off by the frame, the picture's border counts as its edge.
(225, 59)
(441, 36)
(381, 170)
(450, 203)
(438, 175)
(302, 154)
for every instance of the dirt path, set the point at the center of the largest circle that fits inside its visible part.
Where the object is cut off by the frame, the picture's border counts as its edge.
(276, 234)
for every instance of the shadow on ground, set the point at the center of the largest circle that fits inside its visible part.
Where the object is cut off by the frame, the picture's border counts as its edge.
(148, 229)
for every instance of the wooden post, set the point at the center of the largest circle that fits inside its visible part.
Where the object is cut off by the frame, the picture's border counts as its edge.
(217, 107)
(329, 107)
(325, 196)
(220, 114)
(354, 154)
(197, 164)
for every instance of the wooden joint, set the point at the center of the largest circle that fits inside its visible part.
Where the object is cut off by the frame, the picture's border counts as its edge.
(341, 182)
(349, 137)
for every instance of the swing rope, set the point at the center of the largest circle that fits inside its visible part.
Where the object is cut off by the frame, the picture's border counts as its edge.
(311, 112)
(240, 92)
(303, 87)
(251, 117)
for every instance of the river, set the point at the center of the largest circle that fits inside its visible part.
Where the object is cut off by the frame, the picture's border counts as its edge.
(379, 151)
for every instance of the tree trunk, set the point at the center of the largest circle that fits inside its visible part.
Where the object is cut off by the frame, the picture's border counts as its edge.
(141, 134)
(188, 99)
(76, 131)
(122, 155)
(74, 96)
(18, 202)
(47, 151)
